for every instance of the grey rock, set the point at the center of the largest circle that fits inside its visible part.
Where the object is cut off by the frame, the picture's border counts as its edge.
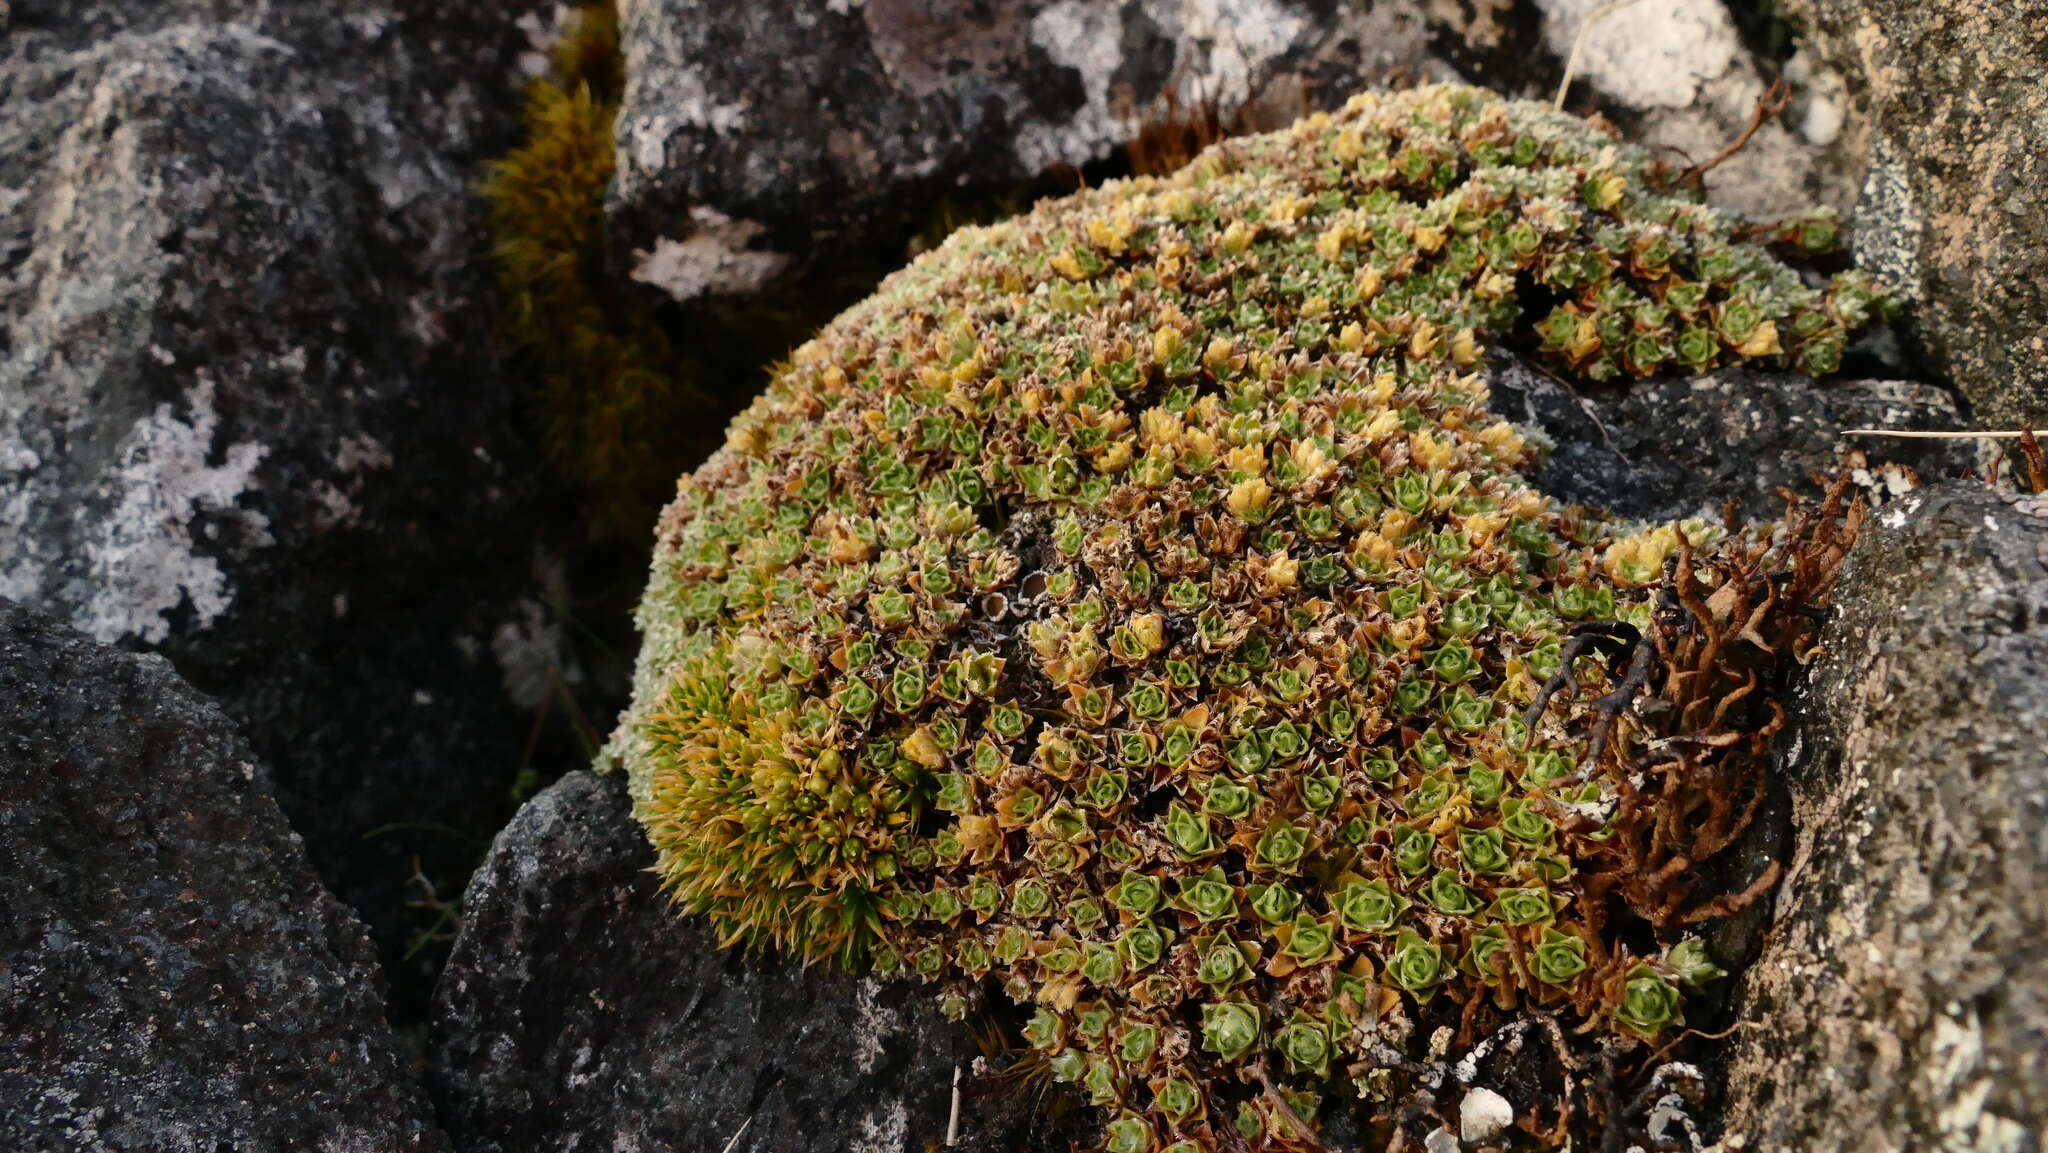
(173, 977)
(581, 1007)
(753, 137)
(1901, 1001)
(247, 412)
(758, 143)
(1952, 121)
(1677, 77)
(1669, 449)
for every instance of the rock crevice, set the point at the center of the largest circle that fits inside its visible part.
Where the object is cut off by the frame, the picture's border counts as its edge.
(1903, 993)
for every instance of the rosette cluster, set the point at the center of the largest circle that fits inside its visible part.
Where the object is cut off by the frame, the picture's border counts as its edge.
(1134, 606)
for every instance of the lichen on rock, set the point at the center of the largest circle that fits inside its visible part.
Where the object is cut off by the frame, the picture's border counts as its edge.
(1948, 100)
(1136, 606)
(1904, 947)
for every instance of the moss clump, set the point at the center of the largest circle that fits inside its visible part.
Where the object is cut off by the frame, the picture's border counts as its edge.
(1135, 605)
(618, 399)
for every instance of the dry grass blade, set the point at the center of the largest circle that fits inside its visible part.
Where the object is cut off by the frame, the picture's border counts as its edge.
(1942, 434)
(1571, 62)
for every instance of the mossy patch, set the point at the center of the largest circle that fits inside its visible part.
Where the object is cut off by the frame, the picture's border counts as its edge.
(631, 390)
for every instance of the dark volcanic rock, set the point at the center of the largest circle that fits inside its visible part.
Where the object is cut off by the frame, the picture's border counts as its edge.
(247, 412)
(1902, 999)
(579, 1007)
(758, 140)
(752, 134)
(173, 977)
(1954, 207)
(1677, 448)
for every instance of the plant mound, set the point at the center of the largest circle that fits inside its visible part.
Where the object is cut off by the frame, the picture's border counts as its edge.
(1135, 605)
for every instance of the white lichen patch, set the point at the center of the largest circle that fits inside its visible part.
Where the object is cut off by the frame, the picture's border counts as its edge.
(1891, 221)
(1955, 1074)
(874, 1024)
(532, 648)
(583, 1069)
(715, 259)
(1682, 64)
(21, 575)
(1650, 55)
(685, 103)
(1085, 37)
(886, 1132)
(692, 105)
(1820, 105)
(1224, 51)
(143, 557)
(543, 29)
(1234, 40)
(354, 458)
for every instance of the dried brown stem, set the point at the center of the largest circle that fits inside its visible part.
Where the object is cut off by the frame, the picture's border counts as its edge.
(1768, 106)
(2037, 468)
(1723, 906)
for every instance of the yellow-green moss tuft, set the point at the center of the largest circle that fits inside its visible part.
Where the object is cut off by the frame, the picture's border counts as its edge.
(615, 396)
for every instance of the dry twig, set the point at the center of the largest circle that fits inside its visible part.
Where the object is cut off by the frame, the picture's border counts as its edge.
(1768, 106)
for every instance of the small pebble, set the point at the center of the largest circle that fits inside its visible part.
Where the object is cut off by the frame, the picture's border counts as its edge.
(1484, 1115)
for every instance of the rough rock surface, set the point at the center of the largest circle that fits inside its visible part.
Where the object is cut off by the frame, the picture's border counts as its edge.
(792, 129)
(754, 140)
(1903, 995)
(242, 418)
(173, 978)
(1676, 448)
(579, 1007)
(1676, 75)
(1954, 204)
